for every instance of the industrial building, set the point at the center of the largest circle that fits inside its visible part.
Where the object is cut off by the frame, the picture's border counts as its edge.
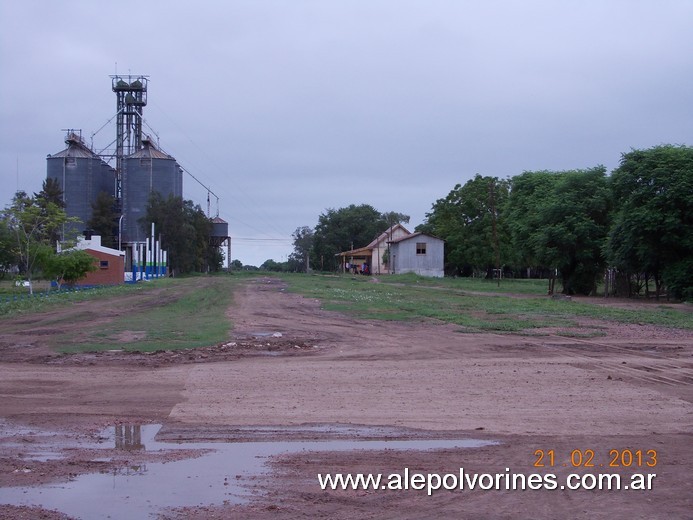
(130, 172)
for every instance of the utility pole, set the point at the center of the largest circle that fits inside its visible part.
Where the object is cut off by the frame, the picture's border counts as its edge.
(496, 248)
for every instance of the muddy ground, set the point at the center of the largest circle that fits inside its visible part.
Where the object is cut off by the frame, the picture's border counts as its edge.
(630, 389)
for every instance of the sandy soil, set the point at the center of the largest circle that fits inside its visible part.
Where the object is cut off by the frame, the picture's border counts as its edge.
(629, 389)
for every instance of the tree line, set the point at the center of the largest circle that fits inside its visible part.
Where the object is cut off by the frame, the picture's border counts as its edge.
(337, 230)
(633, 227)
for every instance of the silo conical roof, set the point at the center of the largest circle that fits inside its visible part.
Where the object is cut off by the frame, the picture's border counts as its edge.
(149, 151)
(76, 148)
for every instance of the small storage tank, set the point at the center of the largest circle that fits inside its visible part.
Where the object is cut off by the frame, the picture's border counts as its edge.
(81, 174)
(220, 232)
(146, 171)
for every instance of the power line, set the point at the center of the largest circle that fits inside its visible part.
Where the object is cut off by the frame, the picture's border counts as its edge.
(251, 239)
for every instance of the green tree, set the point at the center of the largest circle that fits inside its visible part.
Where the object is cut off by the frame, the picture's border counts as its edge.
(8, 258)
(271, 265)
(51, 193)
(184, 230)
(652, 233)
(560, 220)
(303, 243)
(215, 259)
(348, 228)
(104, 219)
(393, 218)
(33, 224)
(68, 266)
(471, 222)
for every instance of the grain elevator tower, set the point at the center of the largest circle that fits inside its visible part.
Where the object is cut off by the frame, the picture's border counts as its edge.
(131, 94)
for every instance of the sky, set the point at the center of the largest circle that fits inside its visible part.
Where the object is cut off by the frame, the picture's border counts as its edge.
(288, 108)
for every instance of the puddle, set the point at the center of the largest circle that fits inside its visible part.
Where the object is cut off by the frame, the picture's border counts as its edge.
(214, 478)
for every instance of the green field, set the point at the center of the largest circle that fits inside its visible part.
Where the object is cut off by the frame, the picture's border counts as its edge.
(181, 313)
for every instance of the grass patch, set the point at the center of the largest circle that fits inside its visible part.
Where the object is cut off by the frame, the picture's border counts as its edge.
(410, 297)
(164, 314)
(506, 285)
(20, 302)
(185, 313)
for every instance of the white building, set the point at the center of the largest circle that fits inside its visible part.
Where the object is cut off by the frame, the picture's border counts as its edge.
(417, 253)
(397, 251)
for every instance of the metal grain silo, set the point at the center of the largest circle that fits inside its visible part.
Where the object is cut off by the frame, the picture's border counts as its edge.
(146, 171)
(81, 174)
(220, 232)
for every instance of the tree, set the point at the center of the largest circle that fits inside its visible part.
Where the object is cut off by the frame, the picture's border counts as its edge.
(8, 258)
(215, 259)
(560, 220)
(237, 264)
(104, 219)
(51, 193)
(303, 243)
(393, 218)
(471, 222)
(184, 229)
(33, 225)
(348, 228)
(68, 266)
(271, 265)
(652, 231)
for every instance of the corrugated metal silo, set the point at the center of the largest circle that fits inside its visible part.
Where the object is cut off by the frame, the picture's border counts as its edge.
(220, 232)
(81, 174)
(145, 171)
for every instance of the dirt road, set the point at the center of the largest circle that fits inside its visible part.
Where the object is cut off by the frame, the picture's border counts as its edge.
(289, 363)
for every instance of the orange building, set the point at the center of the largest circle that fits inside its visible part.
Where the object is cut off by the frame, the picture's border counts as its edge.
(110, 263)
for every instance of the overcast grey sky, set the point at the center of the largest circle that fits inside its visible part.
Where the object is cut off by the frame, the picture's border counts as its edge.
(287, 108)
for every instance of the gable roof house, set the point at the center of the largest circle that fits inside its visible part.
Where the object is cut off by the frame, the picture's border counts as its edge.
(374, 254)
(427, 262)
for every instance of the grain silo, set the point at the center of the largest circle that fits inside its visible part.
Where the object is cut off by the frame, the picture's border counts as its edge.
(146, 171)
(220, 232)
(220, 235)
(82, 175)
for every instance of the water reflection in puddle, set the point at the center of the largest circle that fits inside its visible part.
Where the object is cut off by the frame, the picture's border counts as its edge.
(214, 478)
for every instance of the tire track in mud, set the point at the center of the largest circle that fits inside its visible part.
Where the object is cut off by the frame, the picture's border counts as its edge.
(684, 375)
